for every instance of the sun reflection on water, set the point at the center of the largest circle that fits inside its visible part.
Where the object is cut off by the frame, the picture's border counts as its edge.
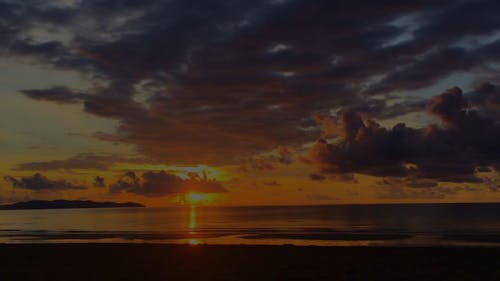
(192, 226)
(194, 241)
(192, 220)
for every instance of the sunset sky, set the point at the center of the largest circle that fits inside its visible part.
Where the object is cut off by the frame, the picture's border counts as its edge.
(265, 102)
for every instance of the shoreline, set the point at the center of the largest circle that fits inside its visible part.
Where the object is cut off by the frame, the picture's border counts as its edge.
(96, 261)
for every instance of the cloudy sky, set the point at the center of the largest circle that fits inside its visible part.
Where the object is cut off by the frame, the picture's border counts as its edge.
(252, 102)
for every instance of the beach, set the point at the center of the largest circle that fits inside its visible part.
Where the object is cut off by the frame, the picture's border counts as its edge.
(145, 262)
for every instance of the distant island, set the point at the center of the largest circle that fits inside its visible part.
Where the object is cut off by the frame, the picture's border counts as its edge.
(66, 204)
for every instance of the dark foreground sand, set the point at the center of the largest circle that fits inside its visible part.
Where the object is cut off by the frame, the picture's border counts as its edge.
(181, 262)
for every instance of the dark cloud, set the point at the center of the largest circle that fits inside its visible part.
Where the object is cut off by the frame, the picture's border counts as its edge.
(398, 192)
(421, 183)
(317, 177)
(156, 184)
(38, 182)
(467, 139)
(410, 182)
(483, 169)
(257, 164)
(382, 111)
(428, 70)
(218, 82)
(81, 161)
(459, 21)
(281, 156)
(417, 188)
(99, 181)
(365, 148)
(435, 45)
(60, 95)
(486, 99)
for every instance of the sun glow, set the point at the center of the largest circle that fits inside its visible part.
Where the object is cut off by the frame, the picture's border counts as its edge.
(196, 198)
(194, 241)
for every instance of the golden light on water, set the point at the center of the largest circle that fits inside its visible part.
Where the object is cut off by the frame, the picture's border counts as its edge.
(192, 219)
(192, 226)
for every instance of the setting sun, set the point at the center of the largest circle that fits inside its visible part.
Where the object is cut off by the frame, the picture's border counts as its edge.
(196, 198)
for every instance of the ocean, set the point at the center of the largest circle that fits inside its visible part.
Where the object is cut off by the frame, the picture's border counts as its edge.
(340, 225)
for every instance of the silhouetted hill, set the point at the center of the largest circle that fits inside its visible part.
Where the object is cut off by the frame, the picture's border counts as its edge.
(66, 204)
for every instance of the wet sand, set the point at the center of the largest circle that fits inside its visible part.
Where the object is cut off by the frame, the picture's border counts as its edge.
(143, 262)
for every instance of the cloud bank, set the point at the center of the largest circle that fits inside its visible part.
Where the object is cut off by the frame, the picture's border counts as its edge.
(220, 82)
(465, 140)
(157, 184)
(38, 182)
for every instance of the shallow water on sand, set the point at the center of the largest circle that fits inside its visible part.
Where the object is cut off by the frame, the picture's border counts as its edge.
(343, 225)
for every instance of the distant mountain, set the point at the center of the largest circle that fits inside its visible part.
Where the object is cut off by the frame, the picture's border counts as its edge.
(66, 204)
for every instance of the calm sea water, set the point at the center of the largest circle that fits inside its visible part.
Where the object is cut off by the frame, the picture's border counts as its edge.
(369, 225)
